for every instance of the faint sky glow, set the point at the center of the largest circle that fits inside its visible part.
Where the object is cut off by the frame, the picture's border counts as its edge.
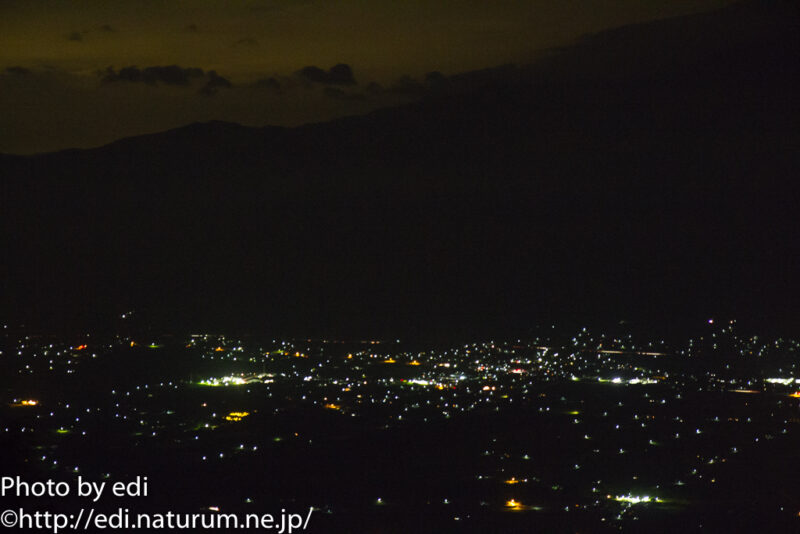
(57, 100)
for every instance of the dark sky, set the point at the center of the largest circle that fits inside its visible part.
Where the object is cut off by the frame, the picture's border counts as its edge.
(57, 91)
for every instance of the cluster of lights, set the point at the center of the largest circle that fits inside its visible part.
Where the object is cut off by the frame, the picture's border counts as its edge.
(510, 370)
(224, 381)
(635, 499)
(783, 381)
(26, 402)
(632, 381)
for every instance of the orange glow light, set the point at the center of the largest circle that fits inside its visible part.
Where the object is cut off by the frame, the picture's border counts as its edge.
(27, 402)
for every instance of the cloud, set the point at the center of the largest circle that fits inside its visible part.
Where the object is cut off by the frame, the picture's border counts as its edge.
(20, 71)
(340, 94)
(78, 36)
(215, 83)
(170, 75)
(167, 75)
(270, 84)
(406, 85)
(90, 111)
(340, 74)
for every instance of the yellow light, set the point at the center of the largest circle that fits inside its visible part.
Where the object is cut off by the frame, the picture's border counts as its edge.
(219, 349)
(414, 362)
(236, 416)
(390, 360)
(513, 504)
(795, 395)
(512, 480)
(332, 406)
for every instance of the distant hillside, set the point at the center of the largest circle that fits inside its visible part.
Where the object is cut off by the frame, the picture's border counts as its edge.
(648, 172)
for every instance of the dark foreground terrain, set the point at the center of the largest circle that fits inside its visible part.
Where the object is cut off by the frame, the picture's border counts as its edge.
(544, 435)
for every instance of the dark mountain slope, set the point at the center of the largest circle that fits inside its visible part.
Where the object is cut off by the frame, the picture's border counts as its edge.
(647, 172)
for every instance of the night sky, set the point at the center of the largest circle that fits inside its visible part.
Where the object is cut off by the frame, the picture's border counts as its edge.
(58, 92)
